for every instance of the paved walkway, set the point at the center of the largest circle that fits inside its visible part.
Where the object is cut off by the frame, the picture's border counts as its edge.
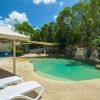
(56, 90)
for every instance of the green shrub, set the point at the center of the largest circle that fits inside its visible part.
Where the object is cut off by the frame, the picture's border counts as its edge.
(19, 53)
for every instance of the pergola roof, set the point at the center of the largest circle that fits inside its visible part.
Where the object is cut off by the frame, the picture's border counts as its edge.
(43, 43)
(7, 33)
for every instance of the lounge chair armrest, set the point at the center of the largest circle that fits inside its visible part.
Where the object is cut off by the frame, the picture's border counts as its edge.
(21, 97)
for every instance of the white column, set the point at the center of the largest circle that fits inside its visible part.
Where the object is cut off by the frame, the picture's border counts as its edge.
(14, 56)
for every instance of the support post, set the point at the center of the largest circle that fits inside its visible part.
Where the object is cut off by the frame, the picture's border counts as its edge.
(14, 56)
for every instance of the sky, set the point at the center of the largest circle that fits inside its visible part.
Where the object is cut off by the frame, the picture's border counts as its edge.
(36, 12)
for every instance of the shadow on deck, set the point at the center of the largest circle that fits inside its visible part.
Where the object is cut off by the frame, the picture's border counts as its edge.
(4, 73)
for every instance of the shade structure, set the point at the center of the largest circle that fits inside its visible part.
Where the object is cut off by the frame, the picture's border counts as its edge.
(44, 43)
(8, 34)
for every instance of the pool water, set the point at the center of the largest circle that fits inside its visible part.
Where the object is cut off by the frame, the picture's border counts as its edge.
(63, 69)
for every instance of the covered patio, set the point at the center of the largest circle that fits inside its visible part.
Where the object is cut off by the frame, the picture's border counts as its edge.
(6, 34)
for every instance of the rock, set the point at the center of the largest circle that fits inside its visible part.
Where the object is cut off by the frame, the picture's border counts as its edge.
(98, 66)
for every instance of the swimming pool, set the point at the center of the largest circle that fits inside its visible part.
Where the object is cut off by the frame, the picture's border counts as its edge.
(64, 69)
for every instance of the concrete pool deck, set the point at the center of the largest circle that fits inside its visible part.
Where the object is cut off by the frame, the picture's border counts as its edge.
(55, 90)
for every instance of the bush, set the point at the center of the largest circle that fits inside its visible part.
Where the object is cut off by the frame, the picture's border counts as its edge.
(19, 53)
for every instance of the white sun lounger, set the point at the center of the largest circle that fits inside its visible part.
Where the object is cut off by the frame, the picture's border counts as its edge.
(18, 91)
(4, 82)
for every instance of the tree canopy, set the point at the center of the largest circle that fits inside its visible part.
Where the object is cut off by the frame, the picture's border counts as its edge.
(76, 25)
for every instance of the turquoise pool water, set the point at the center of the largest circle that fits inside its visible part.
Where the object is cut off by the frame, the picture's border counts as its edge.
(62, 69)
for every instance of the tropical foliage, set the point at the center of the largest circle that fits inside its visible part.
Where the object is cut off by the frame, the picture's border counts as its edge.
(76, 25)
